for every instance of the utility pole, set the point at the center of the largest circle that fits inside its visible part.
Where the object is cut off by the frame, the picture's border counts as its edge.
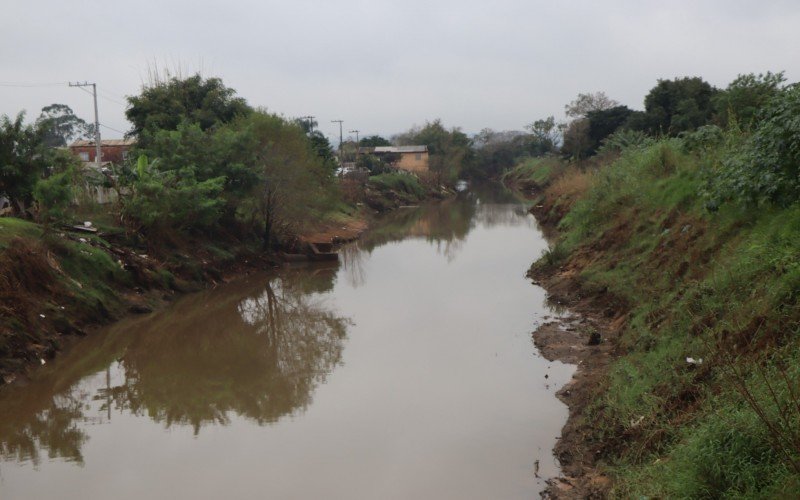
(98, 151)
(355, 132)
(340, 139)
(310, 120)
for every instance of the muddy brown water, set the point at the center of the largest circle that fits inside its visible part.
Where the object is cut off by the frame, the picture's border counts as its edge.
(405, 371)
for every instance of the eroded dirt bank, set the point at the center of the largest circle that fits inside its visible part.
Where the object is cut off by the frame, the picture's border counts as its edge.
(60, 286)
(586, 338)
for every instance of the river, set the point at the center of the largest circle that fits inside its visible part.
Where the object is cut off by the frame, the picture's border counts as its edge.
(405, 371)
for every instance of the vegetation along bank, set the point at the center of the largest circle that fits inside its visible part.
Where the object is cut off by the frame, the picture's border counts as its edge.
(212, 186)
(680, 244)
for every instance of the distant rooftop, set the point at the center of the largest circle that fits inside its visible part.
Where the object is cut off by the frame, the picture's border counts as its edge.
(103, 142)
(394, 149)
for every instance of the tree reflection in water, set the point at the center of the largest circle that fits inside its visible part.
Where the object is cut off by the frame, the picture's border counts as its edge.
(256, 351)
(444, 224)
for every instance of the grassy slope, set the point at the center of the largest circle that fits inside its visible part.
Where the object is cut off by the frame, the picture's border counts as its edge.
(719, 286)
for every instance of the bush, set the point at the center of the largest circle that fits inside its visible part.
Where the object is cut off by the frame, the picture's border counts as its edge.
(399, 182)
(766, 167)
(172, 200)
(53, 196)
(624, 139)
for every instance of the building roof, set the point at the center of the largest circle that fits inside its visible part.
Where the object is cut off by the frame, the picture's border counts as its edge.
(103, 142)
(394, 149)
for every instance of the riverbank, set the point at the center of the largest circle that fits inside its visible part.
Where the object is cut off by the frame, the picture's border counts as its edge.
(691, 389)
(300, 359)
(63, 283)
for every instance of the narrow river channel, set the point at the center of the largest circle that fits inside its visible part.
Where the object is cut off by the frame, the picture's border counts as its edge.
(407, 371)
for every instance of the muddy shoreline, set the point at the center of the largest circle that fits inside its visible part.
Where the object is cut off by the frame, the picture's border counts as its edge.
(586, 338)
(144, 295)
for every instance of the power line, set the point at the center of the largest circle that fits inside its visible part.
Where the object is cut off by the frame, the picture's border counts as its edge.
(110, 99)
(110, 128)
(31, 85)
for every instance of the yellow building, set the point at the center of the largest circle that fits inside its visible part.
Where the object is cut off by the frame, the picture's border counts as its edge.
(409, 158)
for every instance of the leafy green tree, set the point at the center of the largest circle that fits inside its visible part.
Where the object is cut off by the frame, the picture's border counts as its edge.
(546, 136)
(220, 153)
(766, 168)
(587, 103)
(23, 159)
(745, 96)
(373, 141)
(377, 165)
(678, 105)
(60, 126)
(54, 194)
(323, 149)
(294, 183)
(496, 152)
(164, 105)
(577, 140)
(319, 143)
(163, 201)
(450, 150)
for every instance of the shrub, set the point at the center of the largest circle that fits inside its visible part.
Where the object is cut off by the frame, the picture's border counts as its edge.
(624, 139)
(766, 167)
(399, 182)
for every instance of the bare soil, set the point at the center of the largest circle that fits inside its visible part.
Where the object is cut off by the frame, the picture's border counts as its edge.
(586, 337)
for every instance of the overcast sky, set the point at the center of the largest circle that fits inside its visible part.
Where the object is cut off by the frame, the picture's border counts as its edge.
(383, 66)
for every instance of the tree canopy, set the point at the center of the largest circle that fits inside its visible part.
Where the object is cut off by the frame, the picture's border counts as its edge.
(164, 105)
(675, 106)
(60, 126)
(745, 96)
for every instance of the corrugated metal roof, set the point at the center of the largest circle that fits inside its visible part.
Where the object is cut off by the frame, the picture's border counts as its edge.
(103, 142)
(412, 149)
(398, 149)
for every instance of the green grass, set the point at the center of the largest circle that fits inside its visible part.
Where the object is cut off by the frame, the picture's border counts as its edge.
(699, 284)
(402, 183)
(540, 171)
(12, 227)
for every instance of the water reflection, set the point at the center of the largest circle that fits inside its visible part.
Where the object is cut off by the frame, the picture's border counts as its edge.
(438, 393)
(258, 350)
(444, 224)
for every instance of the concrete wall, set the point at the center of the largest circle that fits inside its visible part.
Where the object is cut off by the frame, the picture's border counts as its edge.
(413, 162)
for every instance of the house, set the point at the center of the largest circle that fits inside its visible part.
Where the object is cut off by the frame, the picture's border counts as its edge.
(99, 181)
(410, 158)
(111, 150)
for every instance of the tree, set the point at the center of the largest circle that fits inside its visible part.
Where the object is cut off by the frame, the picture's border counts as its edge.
(604, 122)
(169, 200)
(678, 105)
(745, 96)
(23, 159)
(546, 135)
(577, 141)
(373, 141)
(319, 143)
(587, 103)
(498, 151)
(450, 150)
(60, 126)
(293, 180)
(54, 194)
(163, 105)
(766, 168)
(323, 149)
